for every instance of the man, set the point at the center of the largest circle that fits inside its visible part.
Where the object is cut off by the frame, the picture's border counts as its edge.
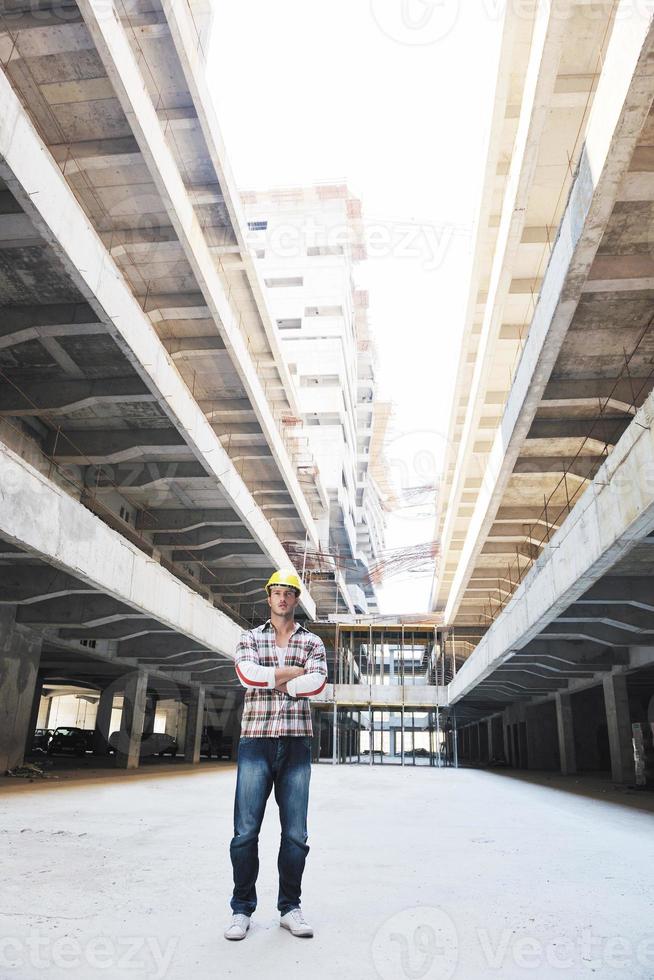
(282, 665)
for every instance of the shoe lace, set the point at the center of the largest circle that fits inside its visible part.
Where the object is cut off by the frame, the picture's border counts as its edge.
(298, 916)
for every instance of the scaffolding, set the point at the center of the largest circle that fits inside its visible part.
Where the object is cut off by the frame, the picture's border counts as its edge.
(391, 723)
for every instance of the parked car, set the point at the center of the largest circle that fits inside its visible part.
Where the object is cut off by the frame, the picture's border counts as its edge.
(67, 739)
(155, 744)
(41, 738)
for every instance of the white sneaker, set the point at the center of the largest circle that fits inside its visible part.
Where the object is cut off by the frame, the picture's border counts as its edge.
(294, 921)
(238, 927)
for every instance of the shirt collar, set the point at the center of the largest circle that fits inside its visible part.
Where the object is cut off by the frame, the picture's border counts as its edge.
(298, 626)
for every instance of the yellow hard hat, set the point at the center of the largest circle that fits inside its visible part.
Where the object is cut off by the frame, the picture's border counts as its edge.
(284, 576)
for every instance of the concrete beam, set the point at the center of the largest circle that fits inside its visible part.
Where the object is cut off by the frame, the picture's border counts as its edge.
(97, 154)
(145, 476)
(597, 394)
(74, 611)
(58, 15)
(124, 629)
(581, 652)
(614, 514)
(124, 71)
(216, 553)
(54, 398)
(17, 231)
(603, 431)
(393, 696)
(624, 617)
(582, 467)
(183, 30)
(591, 632)
(161, 646)
(21, 324)
(620, 590)
(47, 523)
(99, 446)
(183, 521)
(32, 583)
(203, 538)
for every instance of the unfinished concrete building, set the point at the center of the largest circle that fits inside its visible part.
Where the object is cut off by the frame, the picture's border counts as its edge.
(307, 242)
(547, 514)
(153, 471)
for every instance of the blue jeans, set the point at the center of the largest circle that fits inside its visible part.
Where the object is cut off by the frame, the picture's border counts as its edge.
(285, 763)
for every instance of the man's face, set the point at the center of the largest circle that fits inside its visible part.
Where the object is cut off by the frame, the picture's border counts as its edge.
(282, 600)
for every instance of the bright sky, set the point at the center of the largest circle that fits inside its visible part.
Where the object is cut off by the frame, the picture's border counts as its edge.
(395, 98)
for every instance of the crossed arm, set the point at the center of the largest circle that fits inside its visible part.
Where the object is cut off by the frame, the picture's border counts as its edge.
(304, 681)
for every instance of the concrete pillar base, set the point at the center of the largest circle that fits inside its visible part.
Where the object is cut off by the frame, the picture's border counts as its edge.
(128, 751)
(103, 722)
(565, 729)
(20, 653)
(618, 720)
(194, 726)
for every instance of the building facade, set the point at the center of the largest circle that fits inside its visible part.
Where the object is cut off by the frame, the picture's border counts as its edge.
(307, 242)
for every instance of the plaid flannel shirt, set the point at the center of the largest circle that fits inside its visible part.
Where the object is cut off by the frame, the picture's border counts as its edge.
(268, 712)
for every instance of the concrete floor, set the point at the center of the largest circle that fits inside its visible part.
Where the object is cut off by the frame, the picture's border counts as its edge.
(417, 873)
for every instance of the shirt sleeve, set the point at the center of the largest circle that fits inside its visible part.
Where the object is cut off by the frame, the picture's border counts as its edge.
(249, 671)
(313, 680)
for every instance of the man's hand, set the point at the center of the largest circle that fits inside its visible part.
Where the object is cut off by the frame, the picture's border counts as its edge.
(283, 674)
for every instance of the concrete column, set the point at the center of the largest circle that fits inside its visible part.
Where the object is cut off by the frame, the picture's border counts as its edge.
(34, 714)
(20, 652)
(315, 742)
(131, 722)
(534, 738)
(489, 723)
(150, 712)
(194, 724)
(618, 720)
(565, 728)
(102, 731)
(474, 742)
